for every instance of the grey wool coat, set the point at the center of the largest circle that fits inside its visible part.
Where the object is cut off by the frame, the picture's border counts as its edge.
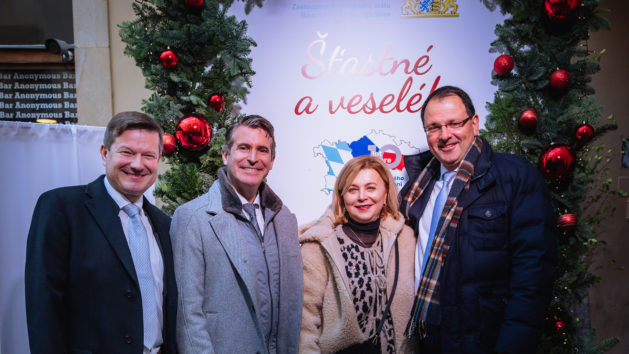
(216, 313)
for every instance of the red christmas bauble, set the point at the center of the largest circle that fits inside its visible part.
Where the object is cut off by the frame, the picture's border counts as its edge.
(503, 64)
(559, 10)
(194, 132)
(560, 326)
(528, 120)
(567, 222)
(560, 79)
(194, 3)
(557, 162)
(169, 144)
(168, 59)
(585, 133)
(217, 102)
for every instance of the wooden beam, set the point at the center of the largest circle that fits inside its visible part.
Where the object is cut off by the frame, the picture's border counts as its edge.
(30, 57)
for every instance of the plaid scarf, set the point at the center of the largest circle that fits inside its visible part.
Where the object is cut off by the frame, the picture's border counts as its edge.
(428, 290)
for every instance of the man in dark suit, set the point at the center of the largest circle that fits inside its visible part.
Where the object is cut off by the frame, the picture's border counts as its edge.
(99, 267)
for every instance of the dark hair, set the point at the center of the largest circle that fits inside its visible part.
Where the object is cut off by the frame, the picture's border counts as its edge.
(124, 121)
(251, 121)
(446, 91)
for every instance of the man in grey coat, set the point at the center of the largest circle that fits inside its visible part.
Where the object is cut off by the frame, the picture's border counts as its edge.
(237, 258)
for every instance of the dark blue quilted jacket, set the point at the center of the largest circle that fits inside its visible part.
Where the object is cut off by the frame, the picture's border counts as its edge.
(496, 283)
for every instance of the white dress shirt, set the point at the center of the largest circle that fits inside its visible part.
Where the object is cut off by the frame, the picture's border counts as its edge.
(157, 263)
(424, 226)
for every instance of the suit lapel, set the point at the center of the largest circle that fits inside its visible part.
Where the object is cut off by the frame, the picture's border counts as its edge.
(228, 232)
(105, 212)
(160, 229)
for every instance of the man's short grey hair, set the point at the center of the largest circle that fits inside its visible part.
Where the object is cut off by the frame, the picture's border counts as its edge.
(251, 121)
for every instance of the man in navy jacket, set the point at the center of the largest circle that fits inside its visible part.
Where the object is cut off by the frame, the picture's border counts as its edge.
(493, 253)
(82, 289)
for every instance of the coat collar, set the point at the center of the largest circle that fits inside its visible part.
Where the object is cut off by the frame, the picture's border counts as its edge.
(230, 201)
(322, 228)
(414, 165)
(482, 175)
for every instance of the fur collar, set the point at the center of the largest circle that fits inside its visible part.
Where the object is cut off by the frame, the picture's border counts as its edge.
(323, 228)
(231, 202)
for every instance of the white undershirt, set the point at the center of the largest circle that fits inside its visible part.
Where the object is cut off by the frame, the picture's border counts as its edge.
(424, 226)
(157, 263)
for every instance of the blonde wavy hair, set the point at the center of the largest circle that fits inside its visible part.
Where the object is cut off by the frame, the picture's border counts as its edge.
(347, 176)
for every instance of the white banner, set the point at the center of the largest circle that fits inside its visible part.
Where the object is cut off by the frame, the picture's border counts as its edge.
(342, 78)
(36, 157)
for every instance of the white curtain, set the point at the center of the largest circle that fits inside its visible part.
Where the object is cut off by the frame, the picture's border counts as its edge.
(34, 158)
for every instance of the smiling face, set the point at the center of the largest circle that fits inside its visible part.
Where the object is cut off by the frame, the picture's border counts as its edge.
(131, 162)
(365, 196)
(449, 145)
(249, 160)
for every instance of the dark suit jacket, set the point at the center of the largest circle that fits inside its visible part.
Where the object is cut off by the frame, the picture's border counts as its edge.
(82, 292)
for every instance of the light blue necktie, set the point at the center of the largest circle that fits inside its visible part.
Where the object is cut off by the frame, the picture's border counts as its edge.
(139, 247)
(436, 213)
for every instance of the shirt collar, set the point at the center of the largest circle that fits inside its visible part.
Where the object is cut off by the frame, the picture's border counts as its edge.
(120, 199)
(244, 200)
(445, 170)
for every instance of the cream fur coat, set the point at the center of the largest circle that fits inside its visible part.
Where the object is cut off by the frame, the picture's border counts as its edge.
(329, 321)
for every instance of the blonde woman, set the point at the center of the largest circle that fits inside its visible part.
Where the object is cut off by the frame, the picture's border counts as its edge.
(350, 266)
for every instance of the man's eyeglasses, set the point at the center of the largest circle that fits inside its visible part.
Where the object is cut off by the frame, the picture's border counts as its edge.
(452, 125)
